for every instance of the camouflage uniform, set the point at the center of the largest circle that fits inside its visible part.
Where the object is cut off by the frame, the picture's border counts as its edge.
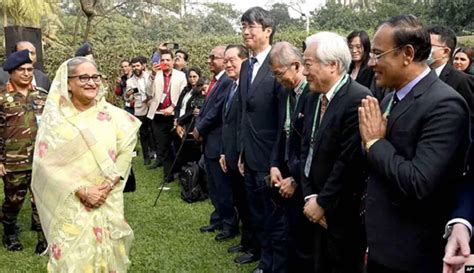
(19, 117)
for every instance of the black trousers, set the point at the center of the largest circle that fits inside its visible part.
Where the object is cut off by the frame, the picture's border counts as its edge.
(268, 216)
(162, 126)
(146, 137)
(220, 192)
(247, 239)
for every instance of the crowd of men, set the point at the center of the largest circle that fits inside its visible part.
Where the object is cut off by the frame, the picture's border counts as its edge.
(317, 171)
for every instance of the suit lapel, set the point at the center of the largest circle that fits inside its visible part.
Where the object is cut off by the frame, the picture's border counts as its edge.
(261, 74)
(410, 98)
(444, 75)
(330, 112)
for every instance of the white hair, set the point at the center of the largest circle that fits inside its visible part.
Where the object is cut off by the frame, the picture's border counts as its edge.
(332, 47)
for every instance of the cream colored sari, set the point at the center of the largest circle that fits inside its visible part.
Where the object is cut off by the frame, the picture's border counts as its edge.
(80, 149)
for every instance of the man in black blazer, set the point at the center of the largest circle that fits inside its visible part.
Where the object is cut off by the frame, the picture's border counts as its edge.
(231, 120)
(415, 143)
(332, 158)
(287, 66)
(443, 43)
(40, 79)
(262, 99)
(209, 129)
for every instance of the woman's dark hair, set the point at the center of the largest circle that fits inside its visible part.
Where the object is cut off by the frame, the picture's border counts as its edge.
(195, 70)
(469, 52)
(365, 42)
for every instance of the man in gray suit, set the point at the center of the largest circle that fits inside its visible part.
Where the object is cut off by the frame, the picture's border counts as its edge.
(40, 79)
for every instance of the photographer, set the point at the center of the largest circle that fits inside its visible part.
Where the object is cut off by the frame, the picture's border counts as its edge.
(191, 99)
(136, 95)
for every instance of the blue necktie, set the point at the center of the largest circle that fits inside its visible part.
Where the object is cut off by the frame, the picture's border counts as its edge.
(232, 92)
(252, 62)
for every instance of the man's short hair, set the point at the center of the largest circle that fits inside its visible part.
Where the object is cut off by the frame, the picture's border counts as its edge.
(243, 52)
(409, 30)
(15, 49)
(136, 60)
(260, 16)
(125, 61)
(182, 52)
(332, 47)
(286, 54)
(166, 51)
(446, 36)
(143, 59)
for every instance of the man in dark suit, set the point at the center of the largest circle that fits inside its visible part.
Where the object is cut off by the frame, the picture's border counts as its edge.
(287, 66)
(209, 129)
(40, 79)
(443, 44)
(231, 120)
(332, 157)
(415, 144)
(262, 99)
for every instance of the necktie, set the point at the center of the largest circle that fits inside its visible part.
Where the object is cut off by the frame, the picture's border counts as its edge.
(324, 107)
(252, 62)
(232, 92)
(211, 86)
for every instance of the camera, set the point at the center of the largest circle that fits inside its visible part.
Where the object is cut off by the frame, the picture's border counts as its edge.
(172, 45)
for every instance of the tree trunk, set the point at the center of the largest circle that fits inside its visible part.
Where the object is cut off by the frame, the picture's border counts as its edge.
(88, 28)
(76, 27)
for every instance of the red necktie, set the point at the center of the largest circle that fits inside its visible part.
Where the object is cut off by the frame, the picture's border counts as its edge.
(324, 107)
(211, 85)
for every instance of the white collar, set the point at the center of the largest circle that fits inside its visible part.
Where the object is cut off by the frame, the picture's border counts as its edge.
(262, 55)
(439, 69)
(333, 88)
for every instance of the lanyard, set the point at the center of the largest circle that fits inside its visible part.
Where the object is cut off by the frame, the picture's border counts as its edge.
(287, 127)
(390, 104)
(316, 124)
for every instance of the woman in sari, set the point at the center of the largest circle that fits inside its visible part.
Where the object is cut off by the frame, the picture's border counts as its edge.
(83, 150)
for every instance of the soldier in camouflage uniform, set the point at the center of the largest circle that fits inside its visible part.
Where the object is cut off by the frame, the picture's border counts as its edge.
(20, 113)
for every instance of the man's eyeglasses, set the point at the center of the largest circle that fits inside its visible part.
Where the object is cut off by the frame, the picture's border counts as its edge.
(213, 57)
(25, 69)
(86, 78)
(250, 27)
(376, 57)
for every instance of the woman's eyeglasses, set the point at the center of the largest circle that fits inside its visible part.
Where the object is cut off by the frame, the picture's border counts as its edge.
(86, 78)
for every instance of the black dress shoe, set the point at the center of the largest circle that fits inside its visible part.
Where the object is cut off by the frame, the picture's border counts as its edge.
(235, 249)
(225, 235)
(41, 247)
(247, 257)
(257, 270)
(12, 243)
(209, 228)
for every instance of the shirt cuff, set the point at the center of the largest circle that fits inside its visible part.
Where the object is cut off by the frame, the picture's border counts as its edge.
(447, 229)
(309, 197)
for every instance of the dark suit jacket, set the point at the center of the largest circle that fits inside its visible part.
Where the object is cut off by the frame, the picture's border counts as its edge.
(231, 121)
(337, 168)
(263, 108)
(460, 82)
(41, 79)
(365, 76)
(414, 171)
(209, 121)
(291, 167)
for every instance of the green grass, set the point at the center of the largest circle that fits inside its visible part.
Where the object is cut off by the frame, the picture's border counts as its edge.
(167, 237)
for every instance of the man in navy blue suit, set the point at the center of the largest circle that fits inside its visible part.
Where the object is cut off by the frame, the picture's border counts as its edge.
(262, 99)
(208, 129)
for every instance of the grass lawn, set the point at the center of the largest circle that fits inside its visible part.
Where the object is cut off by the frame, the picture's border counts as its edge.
(167, 237)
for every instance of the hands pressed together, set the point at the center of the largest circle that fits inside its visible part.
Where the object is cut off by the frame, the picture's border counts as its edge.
(372, 124)
(95, 196)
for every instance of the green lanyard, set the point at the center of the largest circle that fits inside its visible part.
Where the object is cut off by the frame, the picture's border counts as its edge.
(390, 104)
(287, 127)
(316, 124)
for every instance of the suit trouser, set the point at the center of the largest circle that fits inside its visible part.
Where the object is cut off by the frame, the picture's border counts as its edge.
(300, 235)
(146, 137)
(267, 213)
(247, 239)
(220, 192)
(15, 186)
(162, 126)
